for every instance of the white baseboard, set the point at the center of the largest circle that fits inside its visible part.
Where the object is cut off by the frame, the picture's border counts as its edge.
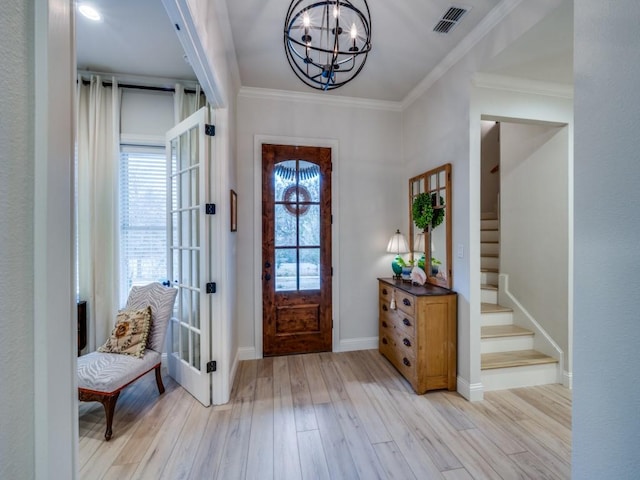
(352, 344)
(567, 379)
(234, 368)
(472, 392)
(246, 353)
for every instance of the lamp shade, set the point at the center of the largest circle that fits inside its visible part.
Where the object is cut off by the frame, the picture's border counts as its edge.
(418, 244)
(397, 244)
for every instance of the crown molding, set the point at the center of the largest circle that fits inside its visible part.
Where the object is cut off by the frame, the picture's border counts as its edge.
(318, 99)
(493, 18)
(522, 85)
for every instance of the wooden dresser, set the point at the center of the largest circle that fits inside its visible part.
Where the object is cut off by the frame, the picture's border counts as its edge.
(419, 336)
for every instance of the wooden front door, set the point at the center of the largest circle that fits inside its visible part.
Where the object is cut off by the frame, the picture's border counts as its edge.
(296, 249)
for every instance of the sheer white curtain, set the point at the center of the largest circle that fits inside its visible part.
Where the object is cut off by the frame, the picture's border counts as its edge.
(184, 104)
(98, 130)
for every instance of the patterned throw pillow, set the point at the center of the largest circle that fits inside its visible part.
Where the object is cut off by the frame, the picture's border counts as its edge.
(129, 336)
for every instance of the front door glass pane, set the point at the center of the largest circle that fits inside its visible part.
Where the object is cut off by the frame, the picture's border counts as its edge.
(297, 225)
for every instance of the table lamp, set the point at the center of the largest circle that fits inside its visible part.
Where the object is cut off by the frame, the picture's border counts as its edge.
(397, 244)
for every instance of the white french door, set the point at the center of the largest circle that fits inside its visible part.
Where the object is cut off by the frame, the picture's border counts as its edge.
(189, 251)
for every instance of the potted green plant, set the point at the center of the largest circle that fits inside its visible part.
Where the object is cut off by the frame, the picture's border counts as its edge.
(407, 266)
(435, 266)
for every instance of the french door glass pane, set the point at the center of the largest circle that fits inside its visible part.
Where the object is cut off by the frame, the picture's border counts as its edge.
(309, 175)
(286, 227)
(310, 226)
(286, 269)
(309, 269)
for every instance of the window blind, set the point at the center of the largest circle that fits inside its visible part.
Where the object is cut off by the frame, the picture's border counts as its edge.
(143, 217)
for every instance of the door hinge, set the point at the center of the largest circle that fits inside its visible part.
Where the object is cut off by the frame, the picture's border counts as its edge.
(212, 366)
(210, 209)
(332, 271)
(211, 287)
(210, 130)
(331, 219)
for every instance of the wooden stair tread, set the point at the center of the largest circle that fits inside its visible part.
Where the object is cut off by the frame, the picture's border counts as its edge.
(490, 270)
(519, 358)
(488, 216)
(498, 331)
(489, 229)
(489, 241)
(492, 255)
(488, 286)
(493, 308)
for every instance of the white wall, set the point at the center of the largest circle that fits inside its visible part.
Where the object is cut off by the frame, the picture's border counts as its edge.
(489, 158)
(606, 437)
(16, 243)
(369, 193)
(534, 220)
(441, 127)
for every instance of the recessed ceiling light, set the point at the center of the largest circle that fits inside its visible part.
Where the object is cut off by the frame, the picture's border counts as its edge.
(90, 12)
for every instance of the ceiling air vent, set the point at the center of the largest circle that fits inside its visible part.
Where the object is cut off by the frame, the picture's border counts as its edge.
(450, 19)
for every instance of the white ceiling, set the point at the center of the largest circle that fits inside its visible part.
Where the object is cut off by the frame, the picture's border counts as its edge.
(136, 37)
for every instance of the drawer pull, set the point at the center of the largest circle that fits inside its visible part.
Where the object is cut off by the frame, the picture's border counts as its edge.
(384, 340)
(406, 361)
(406, 321)
(384, 324)
(406, 302)
(384, 308)
(406, 342)
(384, 291)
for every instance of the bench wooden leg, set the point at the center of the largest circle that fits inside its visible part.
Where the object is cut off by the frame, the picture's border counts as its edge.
(159, 380)
(109, 403)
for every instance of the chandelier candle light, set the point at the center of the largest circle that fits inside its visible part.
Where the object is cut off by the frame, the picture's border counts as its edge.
(327, 42)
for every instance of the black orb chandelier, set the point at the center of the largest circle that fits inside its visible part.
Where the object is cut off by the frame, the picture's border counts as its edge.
(327, 42)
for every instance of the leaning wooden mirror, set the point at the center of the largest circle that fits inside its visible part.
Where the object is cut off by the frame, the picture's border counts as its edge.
(432, 238)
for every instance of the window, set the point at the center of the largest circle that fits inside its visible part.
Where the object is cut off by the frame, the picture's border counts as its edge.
(143, 217)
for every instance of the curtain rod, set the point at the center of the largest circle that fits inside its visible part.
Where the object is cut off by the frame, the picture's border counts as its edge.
(143, 87)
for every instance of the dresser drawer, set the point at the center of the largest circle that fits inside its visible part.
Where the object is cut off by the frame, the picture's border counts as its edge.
(405, 302)
(405, 323)
(385, 291)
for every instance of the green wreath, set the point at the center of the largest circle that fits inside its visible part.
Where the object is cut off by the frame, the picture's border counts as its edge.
(438, 214)
(422, 210)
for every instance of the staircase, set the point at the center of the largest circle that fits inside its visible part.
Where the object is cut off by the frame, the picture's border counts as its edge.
(508, 358)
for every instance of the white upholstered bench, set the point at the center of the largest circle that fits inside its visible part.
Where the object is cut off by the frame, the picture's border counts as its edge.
(102, 376)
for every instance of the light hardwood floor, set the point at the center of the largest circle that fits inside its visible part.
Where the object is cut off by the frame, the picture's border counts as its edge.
(328, 416)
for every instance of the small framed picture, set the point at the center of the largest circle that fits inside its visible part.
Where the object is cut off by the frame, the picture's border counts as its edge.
(234, 211)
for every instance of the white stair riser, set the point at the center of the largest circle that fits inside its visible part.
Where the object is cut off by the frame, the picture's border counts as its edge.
(490, 278)
(516, 377)
(489, 262)
(506, 344)
(487, 224)
(488, 296)
(489, 236)
(497, 318)
(489, 248)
